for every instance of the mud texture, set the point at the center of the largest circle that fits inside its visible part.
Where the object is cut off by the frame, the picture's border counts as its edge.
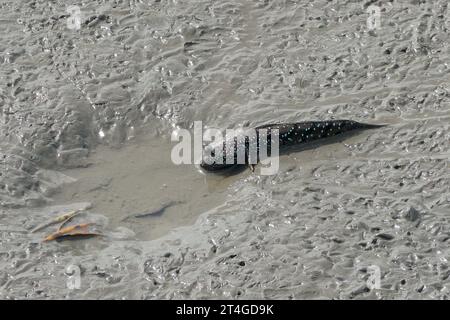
(142, 68)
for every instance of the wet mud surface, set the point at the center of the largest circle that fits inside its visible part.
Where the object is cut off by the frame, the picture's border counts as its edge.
(75, 105)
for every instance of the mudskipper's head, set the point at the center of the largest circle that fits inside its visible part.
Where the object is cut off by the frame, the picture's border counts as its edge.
(215, 158)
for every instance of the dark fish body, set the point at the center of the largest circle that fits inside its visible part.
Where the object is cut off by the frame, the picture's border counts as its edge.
(290, 134)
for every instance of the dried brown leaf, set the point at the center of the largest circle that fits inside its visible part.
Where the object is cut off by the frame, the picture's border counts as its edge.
(72, 231)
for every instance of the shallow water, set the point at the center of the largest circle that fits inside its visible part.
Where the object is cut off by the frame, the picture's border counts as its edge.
(141, 178)
(93, 104)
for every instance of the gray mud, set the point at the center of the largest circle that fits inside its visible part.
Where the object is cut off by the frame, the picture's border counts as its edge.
(73, 103)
